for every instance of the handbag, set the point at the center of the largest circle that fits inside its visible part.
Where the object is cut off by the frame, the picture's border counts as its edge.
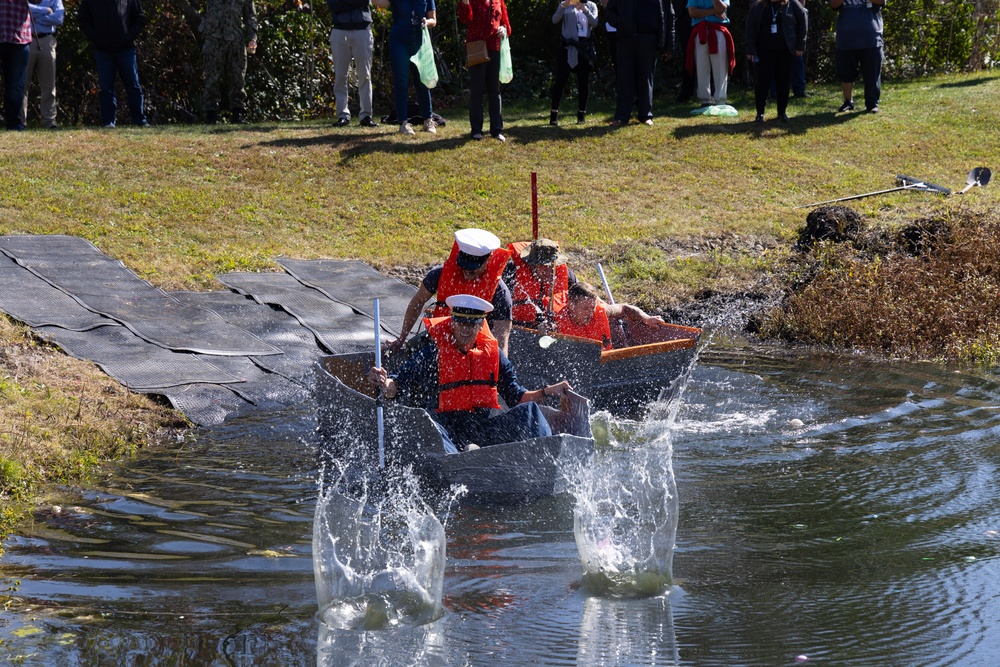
(424, 60)
(475, 53)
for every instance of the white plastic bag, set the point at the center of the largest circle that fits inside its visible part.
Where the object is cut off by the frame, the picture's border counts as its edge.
(506, 69)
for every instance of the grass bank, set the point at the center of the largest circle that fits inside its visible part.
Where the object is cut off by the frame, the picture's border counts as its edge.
(687, 206)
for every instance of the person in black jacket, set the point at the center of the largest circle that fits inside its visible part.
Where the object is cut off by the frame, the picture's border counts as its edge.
(642, 28)
(111, 27)
(776, 35)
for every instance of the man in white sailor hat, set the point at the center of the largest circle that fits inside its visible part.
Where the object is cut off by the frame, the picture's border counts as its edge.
(460, 375)
(474, 268)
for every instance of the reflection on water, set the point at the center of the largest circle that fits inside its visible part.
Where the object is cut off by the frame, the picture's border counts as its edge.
(868, 534)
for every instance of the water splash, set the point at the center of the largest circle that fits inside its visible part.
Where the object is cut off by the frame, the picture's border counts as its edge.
(625, 517)
(378, 561)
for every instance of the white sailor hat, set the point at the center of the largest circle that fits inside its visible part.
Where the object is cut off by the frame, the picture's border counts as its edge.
(468, 306)
(474, 247)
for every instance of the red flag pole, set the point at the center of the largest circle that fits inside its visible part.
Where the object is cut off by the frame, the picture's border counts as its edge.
(534, 205)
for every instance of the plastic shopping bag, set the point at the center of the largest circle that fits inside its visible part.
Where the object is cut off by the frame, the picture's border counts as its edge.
(424, 60)
(506, 69)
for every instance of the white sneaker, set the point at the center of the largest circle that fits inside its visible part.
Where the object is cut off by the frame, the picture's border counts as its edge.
(430, 126)
(471, 447)
(406, 129)
(500, 138)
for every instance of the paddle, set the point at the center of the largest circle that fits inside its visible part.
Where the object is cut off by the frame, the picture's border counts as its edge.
(611, 300)
(378, 392)
(979, 176)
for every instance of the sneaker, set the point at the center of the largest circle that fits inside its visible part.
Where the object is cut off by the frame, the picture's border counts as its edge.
(616, 123)
(848, 105)
(759, 119)
(342, 122)
(144, 123)
(368, 122)
(471, 447)
(873, 109)
(478, 136)
(407, 129)
(783, 117)
(499, 137)
(430, 126)
(648, 121)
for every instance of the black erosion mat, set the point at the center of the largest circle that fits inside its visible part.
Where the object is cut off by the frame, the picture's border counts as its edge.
(213, 355)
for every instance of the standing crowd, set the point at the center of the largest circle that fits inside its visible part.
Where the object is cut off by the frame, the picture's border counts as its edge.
(638, 32)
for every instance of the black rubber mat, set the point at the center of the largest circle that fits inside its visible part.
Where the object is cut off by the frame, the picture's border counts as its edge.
(356, 284)
(29, 299)
(135, 363)
(204, 404)
(276, 327)
(337, 327)
(106, 286)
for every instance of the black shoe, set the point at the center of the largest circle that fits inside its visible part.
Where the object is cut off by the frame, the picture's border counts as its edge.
(581, 117)
(553, 118)
(783, 117)
(368, 122)
(759, 119)
(873, 109)
(211, 117)
(237, 118)
(802, 95)
(341, 122)
(848, 105)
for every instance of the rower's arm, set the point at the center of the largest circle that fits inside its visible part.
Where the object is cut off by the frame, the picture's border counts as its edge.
(632, 314)
(413, 312)
(501, 331)
(560, 389)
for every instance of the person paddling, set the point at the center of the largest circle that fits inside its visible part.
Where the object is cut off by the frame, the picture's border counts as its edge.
(586, 316)
(474, 267)
(461, 374)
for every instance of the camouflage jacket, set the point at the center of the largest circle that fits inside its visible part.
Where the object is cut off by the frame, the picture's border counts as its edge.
(230, 21)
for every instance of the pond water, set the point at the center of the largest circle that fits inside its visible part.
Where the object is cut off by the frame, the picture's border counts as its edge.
(868, 534)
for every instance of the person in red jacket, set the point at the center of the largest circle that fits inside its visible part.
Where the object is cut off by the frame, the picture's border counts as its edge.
(486, 20)
(475, 267)
(459, 377)
(538, 278)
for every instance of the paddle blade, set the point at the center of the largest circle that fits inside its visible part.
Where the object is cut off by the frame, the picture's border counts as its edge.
(979, 176)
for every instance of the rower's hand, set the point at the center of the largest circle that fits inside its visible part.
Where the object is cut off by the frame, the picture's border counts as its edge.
(653, 321)
(560, 389)
(378, 377)
(395, 345)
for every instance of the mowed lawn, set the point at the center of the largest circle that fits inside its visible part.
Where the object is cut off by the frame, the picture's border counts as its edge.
(658, 205)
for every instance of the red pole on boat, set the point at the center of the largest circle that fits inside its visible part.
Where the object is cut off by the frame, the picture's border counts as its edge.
(534, 205)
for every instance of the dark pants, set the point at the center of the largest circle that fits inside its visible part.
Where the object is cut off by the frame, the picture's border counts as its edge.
(486, 77)
(636, 64)
(870, 62)
(799, 76)
(582, 70)
(401, 47)
(112, 64)
(14, 62)
(774, 68)
(522, 422)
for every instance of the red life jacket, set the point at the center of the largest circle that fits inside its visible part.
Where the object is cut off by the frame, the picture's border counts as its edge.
(453, 280)
(530, 294)
(598, 328)
(465, 381)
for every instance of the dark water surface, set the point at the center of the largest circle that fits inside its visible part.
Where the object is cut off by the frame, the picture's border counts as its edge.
(868, 535)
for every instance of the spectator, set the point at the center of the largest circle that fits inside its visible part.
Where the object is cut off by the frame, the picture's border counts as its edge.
(612, 37)
(710, 52)
(799, 66)
(351, 39)
(682, 30)
(46, 16)
(486, 20)
(111, 27)
(859, 42)
(408, 19)
(15, 36)
(642, 26)
(230, 30)
(776, 34)
(576, 53)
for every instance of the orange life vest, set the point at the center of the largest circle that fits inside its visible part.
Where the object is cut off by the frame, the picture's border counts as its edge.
(453, 280)
(465, 381)
(530, 294)
(598, 328)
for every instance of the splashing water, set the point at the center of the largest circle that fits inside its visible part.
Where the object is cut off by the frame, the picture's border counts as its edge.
(625, 517)
(378, 563)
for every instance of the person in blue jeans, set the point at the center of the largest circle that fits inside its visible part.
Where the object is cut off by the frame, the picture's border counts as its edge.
(15, 36)
(408, 20)
(111, 27)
